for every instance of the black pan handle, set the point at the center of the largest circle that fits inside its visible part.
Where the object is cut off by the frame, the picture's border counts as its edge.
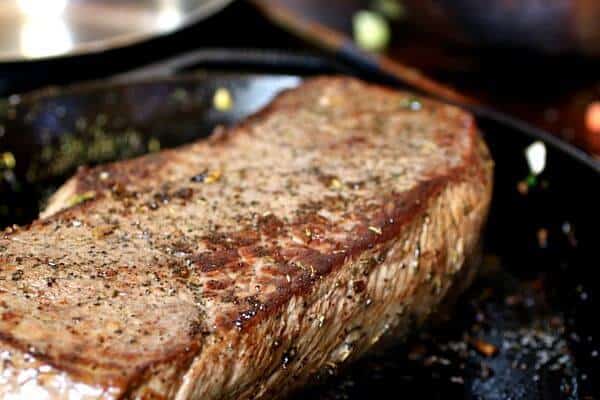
(250, 60)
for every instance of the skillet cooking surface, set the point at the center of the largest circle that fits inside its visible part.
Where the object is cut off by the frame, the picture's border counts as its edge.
(532, 307)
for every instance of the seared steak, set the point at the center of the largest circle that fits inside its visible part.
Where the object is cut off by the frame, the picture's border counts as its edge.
(239, 266)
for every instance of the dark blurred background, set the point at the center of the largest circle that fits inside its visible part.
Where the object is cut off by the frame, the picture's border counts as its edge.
(535, 59)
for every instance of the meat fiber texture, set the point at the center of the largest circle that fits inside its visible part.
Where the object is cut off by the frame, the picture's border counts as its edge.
(241, 266)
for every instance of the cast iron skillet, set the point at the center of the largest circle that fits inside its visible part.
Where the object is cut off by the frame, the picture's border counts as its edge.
(525, 330)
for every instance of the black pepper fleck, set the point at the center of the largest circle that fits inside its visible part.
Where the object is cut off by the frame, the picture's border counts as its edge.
(17, 275)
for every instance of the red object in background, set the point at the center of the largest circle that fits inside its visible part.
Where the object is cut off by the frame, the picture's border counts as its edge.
(592, 117)
(592, 123)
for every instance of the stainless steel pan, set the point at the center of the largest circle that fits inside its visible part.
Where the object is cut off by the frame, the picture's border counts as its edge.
(34, 29)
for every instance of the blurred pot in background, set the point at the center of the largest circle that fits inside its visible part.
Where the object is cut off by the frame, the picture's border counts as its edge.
(551, 26)
(44, 29)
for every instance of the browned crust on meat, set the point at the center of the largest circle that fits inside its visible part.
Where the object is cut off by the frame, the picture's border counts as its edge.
(389, 223)
(228, 250)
